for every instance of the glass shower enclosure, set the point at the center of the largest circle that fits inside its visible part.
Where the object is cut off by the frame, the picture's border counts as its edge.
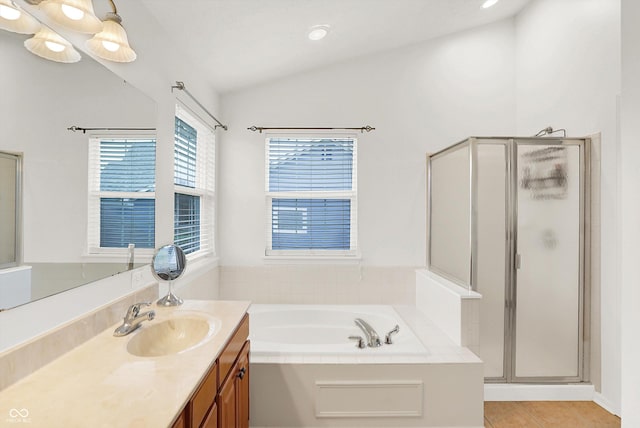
(508, 218)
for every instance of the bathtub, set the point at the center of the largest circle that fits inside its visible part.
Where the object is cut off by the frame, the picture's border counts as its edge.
(324, 330)
(305, 372)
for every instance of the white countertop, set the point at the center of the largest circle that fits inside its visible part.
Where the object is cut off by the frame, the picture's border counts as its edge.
(100, 384)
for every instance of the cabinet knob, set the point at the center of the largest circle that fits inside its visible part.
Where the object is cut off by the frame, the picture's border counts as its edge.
(241, 373)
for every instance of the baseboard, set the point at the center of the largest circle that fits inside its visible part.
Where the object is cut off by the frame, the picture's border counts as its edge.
(526, 392)
(601, 401)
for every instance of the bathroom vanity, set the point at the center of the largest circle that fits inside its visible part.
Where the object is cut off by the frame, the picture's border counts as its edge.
(222, 398)
(108, 382)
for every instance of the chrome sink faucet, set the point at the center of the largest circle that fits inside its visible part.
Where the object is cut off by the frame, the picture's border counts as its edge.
(373, 340)
(133, 318)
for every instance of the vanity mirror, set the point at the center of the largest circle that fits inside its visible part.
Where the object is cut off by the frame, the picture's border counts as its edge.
(169, 264)
(40, 100)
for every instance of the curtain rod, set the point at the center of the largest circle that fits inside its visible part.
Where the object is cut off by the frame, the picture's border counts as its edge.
(84, 130)
(180, 86)
(263, 128)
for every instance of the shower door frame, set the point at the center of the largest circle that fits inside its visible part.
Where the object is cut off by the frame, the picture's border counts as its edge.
(511, 285)
(511, 240)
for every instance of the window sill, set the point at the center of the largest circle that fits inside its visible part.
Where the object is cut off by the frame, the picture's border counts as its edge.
(198, 265)
(312, 260)
(140, 256)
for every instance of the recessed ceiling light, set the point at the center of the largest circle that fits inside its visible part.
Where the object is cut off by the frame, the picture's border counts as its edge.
(318, 32)
(489, 3)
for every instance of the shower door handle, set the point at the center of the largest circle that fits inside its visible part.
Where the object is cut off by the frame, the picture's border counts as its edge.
(518, 261)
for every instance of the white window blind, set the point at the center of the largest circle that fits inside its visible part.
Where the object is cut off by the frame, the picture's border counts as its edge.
(194, 183)
(311, 196)
(121, 193)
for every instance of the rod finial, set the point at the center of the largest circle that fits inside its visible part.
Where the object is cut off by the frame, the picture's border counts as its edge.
(179, 85)
(75, 128)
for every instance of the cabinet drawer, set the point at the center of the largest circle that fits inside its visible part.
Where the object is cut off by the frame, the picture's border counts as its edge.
(233, 348)
(204, 397)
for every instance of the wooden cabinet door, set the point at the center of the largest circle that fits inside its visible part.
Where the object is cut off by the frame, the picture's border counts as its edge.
(242, 387)
(203, 399)
(227, 404)
(180, 422)
(211, 421)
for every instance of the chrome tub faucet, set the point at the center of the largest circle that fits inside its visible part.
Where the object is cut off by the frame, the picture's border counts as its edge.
(373, 340)
(133, 318)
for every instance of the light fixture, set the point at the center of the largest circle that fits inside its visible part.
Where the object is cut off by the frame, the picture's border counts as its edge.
(112, 43)
(318, 32)
(14, 19)
(487, 4)
(50, 45)
(76, 15)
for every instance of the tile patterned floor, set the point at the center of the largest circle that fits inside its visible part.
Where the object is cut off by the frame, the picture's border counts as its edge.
(547, 414)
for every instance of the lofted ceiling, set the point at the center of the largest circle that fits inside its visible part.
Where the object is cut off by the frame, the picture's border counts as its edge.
(240, 43)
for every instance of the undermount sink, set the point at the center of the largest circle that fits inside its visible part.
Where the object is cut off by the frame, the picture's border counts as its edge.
(171, 336)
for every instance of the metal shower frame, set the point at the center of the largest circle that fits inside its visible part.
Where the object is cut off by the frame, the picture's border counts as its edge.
(511, 240)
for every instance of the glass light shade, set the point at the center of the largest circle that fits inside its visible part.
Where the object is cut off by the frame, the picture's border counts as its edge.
(54, 46)
(51, 46)
(75, 15)
(16, 20)
(111, 43)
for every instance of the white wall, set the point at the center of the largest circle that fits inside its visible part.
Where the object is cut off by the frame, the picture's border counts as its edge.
(568, 76)
(419, 99)
(630, 177)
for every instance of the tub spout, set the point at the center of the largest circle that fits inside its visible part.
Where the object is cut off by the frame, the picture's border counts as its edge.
(373, 340)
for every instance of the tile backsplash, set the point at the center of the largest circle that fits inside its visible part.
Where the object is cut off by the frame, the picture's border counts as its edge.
(321, 284)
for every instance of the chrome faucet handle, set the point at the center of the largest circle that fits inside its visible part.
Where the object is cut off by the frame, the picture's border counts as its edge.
(360, 340)
(134, 309)
(133, 318)
(387, 338)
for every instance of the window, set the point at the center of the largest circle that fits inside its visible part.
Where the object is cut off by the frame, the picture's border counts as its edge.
(311, 196)
(121, 193)
(194, 185)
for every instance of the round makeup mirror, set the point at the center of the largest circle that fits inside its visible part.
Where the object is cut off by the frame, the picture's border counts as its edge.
(169, 263)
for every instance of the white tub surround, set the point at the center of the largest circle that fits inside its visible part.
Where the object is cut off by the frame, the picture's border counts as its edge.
(333, 284)
(100, 383)
(422, 380)
(15, 286)
(451, 307)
